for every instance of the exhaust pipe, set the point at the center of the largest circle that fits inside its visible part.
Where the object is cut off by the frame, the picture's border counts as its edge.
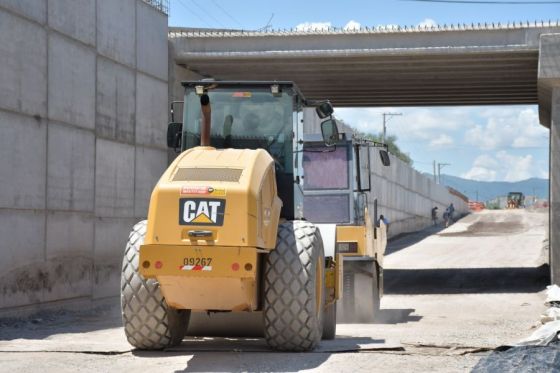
(206, 120)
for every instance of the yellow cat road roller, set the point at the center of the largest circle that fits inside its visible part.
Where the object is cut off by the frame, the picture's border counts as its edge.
(226, 232)
(337, 191)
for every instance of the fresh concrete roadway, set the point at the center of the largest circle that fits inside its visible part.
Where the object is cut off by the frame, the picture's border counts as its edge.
(476, 285)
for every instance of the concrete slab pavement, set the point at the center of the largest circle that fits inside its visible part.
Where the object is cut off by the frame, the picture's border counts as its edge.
(440, 326)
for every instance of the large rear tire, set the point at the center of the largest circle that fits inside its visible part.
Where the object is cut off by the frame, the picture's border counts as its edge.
(294, 288)
(149, 323)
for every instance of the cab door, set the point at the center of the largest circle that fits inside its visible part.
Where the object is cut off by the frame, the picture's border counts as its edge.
(328, 182)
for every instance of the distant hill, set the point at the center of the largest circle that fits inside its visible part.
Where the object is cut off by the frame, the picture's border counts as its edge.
(488, 190)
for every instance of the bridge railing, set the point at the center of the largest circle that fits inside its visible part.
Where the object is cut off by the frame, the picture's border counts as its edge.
(161, 5)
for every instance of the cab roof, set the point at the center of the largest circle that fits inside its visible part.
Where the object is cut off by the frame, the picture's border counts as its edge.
(243, 83)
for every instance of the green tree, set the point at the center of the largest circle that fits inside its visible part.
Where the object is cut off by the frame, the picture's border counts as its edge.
(394, 149)
(390, 140)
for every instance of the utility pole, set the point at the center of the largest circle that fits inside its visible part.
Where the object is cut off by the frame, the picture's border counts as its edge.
(386, 118)
(435, 177)
(440, 166)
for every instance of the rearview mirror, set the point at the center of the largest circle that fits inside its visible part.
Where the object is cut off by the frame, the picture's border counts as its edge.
(174, 130)
(385, 158)
(324, 110)
(329, 130)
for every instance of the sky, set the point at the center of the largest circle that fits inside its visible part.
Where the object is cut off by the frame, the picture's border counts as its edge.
(488, 143)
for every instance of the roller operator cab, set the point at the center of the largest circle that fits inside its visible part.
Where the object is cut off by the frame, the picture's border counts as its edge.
(226, 228)
(337, 190)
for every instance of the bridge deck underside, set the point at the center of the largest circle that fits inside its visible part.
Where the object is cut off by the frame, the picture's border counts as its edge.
(498, 77)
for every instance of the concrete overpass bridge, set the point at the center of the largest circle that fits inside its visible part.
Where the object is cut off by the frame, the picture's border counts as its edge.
(457, 65)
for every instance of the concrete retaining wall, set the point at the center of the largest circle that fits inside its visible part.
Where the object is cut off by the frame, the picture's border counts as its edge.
(404, 196)
(83, 112)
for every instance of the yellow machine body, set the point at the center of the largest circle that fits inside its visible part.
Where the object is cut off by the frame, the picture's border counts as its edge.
(368, 239)
(211, 214)
(218, 241)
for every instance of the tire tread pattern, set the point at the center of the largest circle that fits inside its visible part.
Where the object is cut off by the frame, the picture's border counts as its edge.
(149, 323)
(291, 320)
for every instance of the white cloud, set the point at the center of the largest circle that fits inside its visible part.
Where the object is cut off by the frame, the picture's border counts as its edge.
(507, 127)
(484, 169)
(352, 25)
(427, 22)
(492, 128)
(312, 26)
(478, 136)
(442, 141)
(480, 173)
(517, 167)
(504, 166)
(416, 124)
(485, 160)
(471, 138)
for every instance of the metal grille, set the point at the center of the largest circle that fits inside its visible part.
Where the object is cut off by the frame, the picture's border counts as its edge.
(208, 174)
(161, 5)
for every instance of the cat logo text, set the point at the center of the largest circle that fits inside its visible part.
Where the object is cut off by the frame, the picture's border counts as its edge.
(201, 211)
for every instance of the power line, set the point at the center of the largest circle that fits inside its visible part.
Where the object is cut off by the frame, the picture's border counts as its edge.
(268, 25)
(487, 2)
(195, 13)
(227, 13)
(208, 14)
(422, 162)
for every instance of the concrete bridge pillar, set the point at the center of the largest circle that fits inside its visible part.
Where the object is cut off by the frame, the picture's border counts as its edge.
(555, 186)
(549, 112)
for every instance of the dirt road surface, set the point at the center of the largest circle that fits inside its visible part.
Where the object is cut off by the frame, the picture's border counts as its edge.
(450, 295)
